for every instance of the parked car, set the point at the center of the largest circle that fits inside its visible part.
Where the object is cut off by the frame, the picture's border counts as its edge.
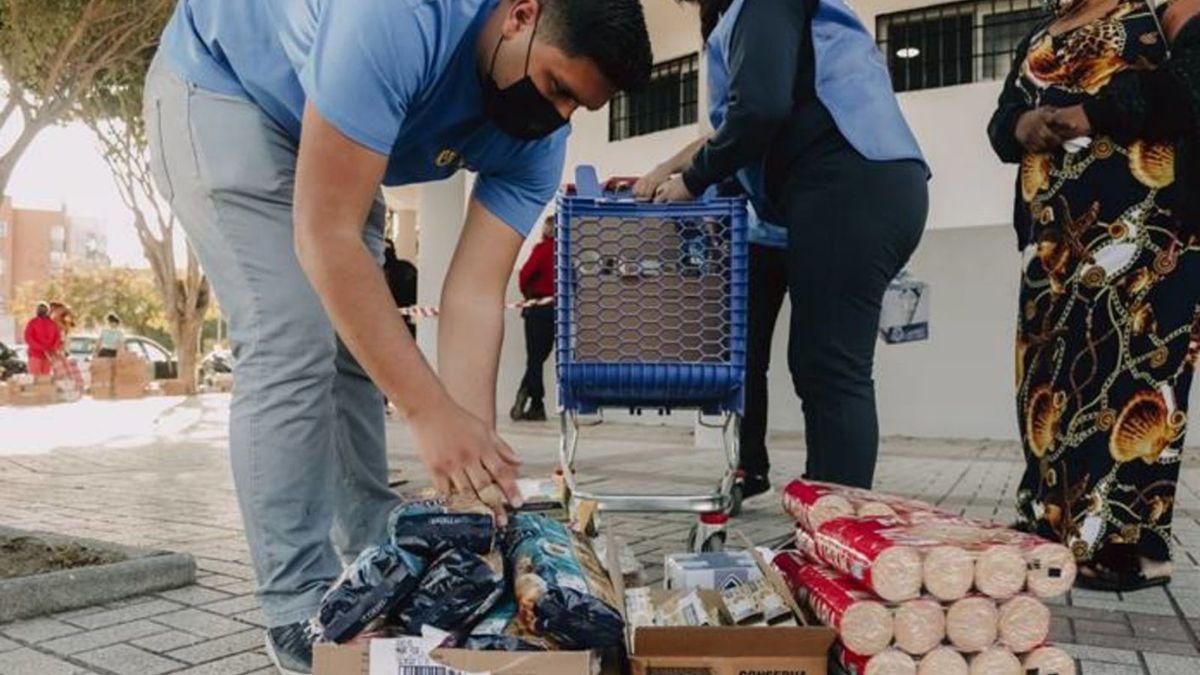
(12, 361)
(163, 364)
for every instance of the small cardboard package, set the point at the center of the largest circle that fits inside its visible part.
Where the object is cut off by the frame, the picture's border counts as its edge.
(717, 571)
(399, 656)
(904, 316)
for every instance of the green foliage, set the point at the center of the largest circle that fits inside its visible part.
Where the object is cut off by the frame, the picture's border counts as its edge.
(93, 292)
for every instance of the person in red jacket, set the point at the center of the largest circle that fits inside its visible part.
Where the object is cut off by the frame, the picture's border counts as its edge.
(44, 340)
(537, 282)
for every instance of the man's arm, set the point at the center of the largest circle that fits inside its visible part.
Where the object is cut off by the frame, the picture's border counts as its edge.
(336, 183)
(471, 322)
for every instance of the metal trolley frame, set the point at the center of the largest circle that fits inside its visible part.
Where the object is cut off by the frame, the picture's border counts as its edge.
(651, 314)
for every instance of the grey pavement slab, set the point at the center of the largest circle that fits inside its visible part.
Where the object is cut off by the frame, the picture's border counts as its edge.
(175, 491)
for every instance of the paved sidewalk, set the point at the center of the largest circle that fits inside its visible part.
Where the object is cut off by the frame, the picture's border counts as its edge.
(168, 485)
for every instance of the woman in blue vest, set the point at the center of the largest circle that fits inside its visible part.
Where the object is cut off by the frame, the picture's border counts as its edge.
(812, 130)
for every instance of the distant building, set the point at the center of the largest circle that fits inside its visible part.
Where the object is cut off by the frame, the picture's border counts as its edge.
(37, 243)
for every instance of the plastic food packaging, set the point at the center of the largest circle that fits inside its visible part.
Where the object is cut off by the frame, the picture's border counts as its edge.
(995, 661)
(368, 591)
(1048, 660)
(1023, 623)
(874, 551)
(459, 588)
(943, 661)
(561, 590)
(498, 631)
(887, 662)
(863, 624)
(430, 527)
(920, 625)
(813, 503)
(971, 623)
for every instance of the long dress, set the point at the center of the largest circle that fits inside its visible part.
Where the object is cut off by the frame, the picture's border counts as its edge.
(1108, 332)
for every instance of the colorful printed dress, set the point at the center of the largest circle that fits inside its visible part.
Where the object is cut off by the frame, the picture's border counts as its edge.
(1108, 332)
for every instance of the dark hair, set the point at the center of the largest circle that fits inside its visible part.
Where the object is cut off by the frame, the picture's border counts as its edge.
(112, 318)
(43, 308)
(610, 32)
(710, 13)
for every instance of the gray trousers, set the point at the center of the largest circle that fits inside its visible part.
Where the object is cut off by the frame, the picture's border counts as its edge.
(306, 429)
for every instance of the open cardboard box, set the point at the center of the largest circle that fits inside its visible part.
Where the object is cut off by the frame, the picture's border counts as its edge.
(734, 650)
(710, 650)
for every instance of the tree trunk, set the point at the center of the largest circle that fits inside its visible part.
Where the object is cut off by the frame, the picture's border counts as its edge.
(186, 335)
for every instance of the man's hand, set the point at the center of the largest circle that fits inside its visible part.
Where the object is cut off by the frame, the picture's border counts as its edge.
(1035, 133)
(646, 186)
(674, 190)
(464, 455)
(1071, 123)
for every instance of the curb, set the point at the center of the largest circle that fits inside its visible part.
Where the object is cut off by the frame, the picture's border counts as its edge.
(144, 571)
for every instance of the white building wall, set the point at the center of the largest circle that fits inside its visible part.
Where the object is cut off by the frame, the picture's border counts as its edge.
(957, 384)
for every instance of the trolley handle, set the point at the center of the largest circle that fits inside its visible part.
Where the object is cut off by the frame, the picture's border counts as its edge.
(616, 188)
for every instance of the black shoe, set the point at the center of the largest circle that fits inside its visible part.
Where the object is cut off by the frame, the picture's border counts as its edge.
(290, 647)
(536, 412)
(517, 412)
(755, 485)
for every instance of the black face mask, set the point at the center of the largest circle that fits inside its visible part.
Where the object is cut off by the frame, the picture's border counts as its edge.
(519, 109)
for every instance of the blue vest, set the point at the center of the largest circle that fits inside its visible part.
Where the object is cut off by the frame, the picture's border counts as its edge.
(759, 231)
(852, 81)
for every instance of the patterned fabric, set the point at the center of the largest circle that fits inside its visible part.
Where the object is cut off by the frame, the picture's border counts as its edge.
(1108, 332)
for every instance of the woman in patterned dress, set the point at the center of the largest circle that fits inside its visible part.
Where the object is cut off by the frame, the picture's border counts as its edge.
(1101, 112)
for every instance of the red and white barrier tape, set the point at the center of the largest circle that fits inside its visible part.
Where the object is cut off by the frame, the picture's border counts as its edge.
(430, 312)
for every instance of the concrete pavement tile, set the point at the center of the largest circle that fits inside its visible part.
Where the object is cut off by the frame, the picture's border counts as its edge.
(111, 617)
(1164, 664)
(37, 630)
(232, 605)
(221, 647)
(1106, 654)
(128, 660)
(245, 662)
(165, 642)
(1102, 627)
(7, 645)
(24, 661)
(254, 617)
(1161, 627)
(201, 623)
(93, 639)
(194, 595)
(1087, 667)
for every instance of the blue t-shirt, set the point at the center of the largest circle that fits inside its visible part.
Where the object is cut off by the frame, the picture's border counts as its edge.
(759, 231)
(396, 76)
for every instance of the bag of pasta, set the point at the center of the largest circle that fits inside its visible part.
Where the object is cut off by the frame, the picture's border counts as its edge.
(459, 588)
(562, 592)
(368, 591)
(430, 527)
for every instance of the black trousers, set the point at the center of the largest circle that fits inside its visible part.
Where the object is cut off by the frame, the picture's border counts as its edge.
(539, 341)
(768, 286)
(852, 225)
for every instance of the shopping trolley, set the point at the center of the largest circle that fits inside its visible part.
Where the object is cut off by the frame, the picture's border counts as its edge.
(651, 315)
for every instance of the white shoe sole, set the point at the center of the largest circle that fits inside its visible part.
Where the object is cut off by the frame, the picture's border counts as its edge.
(275, 659)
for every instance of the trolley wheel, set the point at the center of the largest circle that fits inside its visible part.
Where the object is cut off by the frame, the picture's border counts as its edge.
(713, 542)
(735, 499)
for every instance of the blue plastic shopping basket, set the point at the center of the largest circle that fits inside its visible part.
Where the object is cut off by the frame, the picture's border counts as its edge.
(651, 313)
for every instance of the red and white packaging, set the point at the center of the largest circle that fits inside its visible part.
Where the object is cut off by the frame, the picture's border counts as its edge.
(877, 552)
(863, 623)
(813, 503)
(887, 662)
(943, 661)
(995, 660)
(1048, 660)
(1023, 623)
(919, 625)
(971, 623)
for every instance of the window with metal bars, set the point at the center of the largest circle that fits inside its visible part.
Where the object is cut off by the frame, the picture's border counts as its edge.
(669, 100)
(955, 43)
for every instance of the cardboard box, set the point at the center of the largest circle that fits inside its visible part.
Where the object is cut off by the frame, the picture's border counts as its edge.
(717, 571)
(357, 659)
(4, 393)
(173, 387)
(733, 650)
